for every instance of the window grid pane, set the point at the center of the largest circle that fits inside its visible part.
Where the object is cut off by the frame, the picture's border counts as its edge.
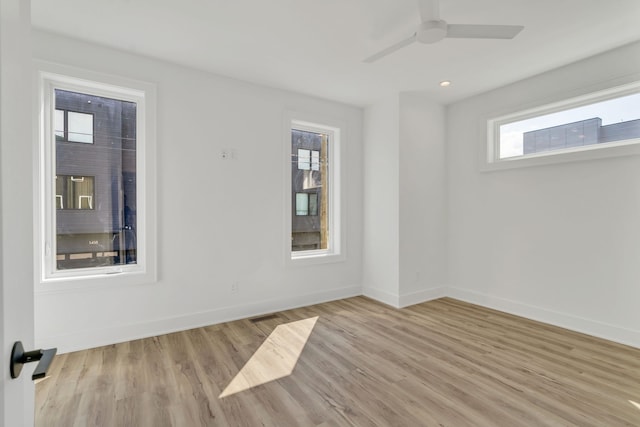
(302, 204)
(315, 160)
(59, 124)
(313, 204)
(304, 159)
(80, 127)
(74, 192)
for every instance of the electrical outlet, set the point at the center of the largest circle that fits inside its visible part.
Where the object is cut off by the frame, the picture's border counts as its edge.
(234, 287)
(228, 154)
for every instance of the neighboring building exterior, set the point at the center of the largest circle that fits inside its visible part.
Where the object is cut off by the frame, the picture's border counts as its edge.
(308, 200)
(585, 132)
(95, 180)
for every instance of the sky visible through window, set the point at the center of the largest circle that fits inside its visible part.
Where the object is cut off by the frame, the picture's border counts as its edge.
(612, 111)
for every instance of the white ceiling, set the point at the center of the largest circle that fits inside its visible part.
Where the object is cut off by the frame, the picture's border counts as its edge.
(316, 47)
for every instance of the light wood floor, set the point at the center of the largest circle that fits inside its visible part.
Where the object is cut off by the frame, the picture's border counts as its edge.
(441, 363)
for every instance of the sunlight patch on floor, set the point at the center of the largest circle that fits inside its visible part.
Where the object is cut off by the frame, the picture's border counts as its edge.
(276, 358)
(39, 380)
(636, 404)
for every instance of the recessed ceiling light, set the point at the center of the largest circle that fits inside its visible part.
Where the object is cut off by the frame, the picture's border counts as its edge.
(445, 83)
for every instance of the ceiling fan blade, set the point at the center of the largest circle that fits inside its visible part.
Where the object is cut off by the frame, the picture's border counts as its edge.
(483, 31)
(429, 10)
(391, 49)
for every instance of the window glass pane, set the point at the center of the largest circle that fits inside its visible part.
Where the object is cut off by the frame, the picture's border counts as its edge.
(74, 192)
(58, 123)
(80, 127)
(315, 160)
(302, 204)
(95, 200)
(310, 221)
(602, 122)
(313, 204)
(304, 159)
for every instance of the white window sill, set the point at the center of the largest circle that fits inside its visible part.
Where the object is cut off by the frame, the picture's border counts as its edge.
(629, 147)
(304, 258)
(95, 281)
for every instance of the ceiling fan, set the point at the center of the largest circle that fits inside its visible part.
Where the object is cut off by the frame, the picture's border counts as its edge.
(433, 29)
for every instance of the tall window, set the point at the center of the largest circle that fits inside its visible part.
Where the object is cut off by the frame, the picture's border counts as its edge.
(104, 232)
(93, 204)
(314, 190)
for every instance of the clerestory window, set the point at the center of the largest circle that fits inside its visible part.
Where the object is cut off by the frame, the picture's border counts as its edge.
(602, 123)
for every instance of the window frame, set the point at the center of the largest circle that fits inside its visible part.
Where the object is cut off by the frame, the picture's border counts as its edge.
(490, 154)
(336, 129)
(50, 77)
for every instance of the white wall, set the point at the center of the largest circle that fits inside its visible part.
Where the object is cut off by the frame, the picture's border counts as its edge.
(423, 216)
(218, 221)
(381, 264)
(559, 243)
(556, 243)
(405, 203)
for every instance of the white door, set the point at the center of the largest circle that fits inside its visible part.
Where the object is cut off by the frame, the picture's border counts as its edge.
(16, 209)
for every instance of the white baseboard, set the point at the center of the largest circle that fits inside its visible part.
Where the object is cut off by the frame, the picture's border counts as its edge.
(82, 340)
(590, 327)
(382, 296)
(422, 296)
(405, 300)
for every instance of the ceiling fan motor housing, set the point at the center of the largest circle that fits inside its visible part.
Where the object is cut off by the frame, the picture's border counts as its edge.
(431, 31)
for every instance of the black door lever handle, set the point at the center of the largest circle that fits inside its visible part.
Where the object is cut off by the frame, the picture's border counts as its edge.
(19, 357)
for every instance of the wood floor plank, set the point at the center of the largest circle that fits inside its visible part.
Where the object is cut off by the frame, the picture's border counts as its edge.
(440, 363)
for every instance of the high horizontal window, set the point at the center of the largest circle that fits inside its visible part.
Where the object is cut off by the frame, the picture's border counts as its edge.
(94, 186)
(598, 120)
